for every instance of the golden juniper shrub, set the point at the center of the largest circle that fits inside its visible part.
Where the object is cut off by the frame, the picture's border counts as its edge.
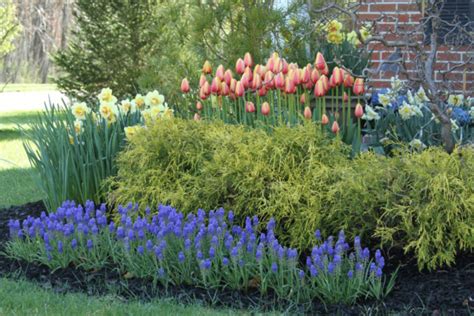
(421, 202)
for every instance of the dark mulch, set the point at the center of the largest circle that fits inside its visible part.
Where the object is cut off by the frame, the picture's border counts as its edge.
(442, 292)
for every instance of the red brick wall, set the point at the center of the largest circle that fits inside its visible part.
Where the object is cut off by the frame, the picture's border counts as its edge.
(408, 15)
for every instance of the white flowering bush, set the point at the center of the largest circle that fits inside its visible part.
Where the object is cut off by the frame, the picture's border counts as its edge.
(399, 114)
(74, 148)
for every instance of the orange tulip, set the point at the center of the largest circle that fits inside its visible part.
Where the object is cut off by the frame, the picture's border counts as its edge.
(198, 106)
(240, 66)
(248, 60)
(324, 119)
(215, 85)
(202, 80)
(320, 62)
(358, 87)
(249, 107)
(265, 108)
(207, 68)
(319, 90)
(335, 127)
(307, 113)
(228, 76)
(185, 85)
(239, 89)
(359, 111)
(338, 75)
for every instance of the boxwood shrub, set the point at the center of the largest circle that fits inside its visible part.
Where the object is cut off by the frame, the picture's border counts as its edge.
(422, 202)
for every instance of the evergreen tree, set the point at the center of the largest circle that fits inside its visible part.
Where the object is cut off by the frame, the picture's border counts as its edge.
(108, 48)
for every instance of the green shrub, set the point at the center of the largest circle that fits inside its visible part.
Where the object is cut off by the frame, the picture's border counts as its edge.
(305, 181)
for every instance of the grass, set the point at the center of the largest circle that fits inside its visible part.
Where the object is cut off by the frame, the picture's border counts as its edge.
(25, 298)
(22, 87)
(17, 185)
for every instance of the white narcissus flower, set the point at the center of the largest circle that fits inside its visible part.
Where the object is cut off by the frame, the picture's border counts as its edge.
(78, 127)
(406, 111)
(456, 100)
(154, 98)
(109, 112)
(385, 99)
(80, 110)
(471, 112)
(139, 101)
(396, 84)
(421, 95)
(106, 96)
(370, 114)
(127, 106)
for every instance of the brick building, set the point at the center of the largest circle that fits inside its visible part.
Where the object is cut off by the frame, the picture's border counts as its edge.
(408, 14)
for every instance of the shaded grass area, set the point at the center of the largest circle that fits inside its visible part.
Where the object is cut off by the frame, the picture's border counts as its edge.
(25, 298)
(21, 87)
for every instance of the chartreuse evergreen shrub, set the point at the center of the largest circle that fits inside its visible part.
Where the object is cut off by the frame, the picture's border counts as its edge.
(304, 181)
(201, 249)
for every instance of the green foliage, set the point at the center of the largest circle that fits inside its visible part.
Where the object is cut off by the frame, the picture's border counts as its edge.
(72, 163)
(305, 181)
(9, 26)
(109, 47)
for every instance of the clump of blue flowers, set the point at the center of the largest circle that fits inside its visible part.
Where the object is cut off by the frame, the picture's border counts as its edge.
(202, 249)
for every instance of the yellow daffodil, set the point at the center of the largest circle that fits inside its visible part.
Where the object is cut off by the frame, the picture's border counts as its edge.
(106, 96)
(352, 38)
(71, 139)
(335, 38)
(364, 33)
(80, 110)
(78, 127)
(131, 131)
(456, 100)
(333, 26)
(108, 111)
(139, 102)
(154, 99)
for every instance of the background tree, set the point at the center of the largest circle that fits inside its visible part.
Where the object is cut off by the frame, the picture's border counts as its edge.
(108, 48)
(9, 28)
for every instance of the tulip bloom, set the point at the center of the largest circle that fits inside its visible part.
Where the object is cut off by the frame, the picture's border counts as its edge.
(224, 89)
(285, 67)
(256, 83)
(280, 81)
(185, 85)
(249, 73)
(207, 68)
(345, 97)
(202, 80)
(307, 113)
(335, 127)
(320, 62)
(348, 80)
(305, 75)
(358, 87)
(215, 85)
(249, 107)
(262, 92)
(324, 79)
(290, 86)
(268, 81)
(239, 89)
(220, 72)
(315, 76)
(245, 80)
(248, 60)
(324, 119)
(338, 75)
(198, 106)
(228, 76)
(233, 84)
(206, 88)
(265, 108)
(197, 117)
(359, 111)
(319, 90)
(240, 66)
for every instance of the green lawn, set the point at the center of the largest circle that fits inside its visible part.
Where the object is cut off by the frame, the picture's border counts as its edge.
(20, 87)
(26, 298)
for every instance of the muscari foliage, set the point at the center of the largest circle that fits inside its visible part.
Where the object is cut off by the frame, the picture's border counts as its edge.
(420, 202)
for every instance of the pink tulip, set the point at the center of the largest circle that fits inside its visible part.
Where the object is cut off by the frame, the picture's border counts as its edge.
(248, 60)
(335, 127)
(249, 107)
(198, 106)
(197, 117)
(359, 111)
(240, 66)
(265, 108)
(202, 80)
(307, 113)
(279, 81)
(358, 87)
(345, 97)
(239, 89)
(228, 76)
(262, 92)
(324, 119)
(215, 85)
(220, 72)
(303, 98)
(185, 85)
(320, 62)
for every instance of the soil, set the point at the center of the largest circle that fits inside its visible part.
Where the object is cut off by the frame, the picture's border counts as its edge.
(442, 292)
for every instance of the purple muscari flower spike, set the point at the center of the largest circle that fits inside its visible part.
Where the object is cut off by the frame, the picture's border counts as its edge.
(225, 261)
(301, 274)
(181, 257)
(212, 252)
(359, 266)
(158, 253)
(313, 271)
(331, 267)
(249, 247)
(274, 267)
(206, 264)
(149, 245)
(140, 250)
(337, 259)
(95, 230)
(73, 244)
(234, 252)
(271, 224)
(308, 261)
(131, 235)
(292, 253)
(187, 244)
(46, 238)
(60, 246)
(141, 234)
(241, 262)
(351, 256)
(111, 227)
(161, 272)
(365, 253)
(255, 221)
(258, 254)
(214, 240)
(378, 273)
(281, 252)
(372, 267)
(350, 274)
(199, 255)
(263, 237)
(147, 211)
(230, 216)
(89, 244)
(317, 235)
(20, 234)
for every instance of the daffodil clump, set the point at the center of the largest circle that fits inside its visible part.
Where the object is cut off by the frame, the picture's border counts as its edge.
(403, 114)
(335, 34)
